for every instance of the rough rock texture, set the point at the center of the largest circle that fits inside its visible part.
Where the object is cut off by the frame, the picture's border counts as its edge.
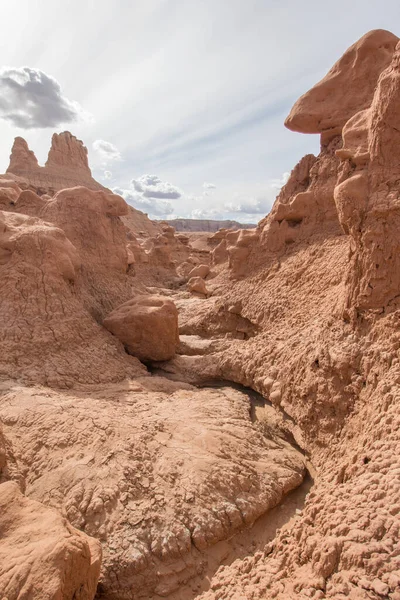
(347, 88)
(22, 159)
(66, 166)
(305, 205)
(41, 554)
(197, 285)
(147, 326)
(367, 196)
(138, 222)
(90, 221)
(45, 333)
(332, 374)
(303, 309)
(157, 478)
(200, 271)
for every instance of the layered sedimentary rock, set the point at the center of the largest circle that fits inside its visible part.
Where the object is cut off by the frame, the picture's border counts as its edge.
(66, 166)
(210, 225)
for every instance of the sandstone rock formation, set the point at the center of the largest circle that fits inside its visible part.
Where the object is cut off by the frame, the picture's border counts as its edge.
(166, 468)
(140, 224)
(22, 159)
(197, 285)
(199, 271)
(147, 326)
(347, 88)
(334, 379)
(66, 166)
(367, 196)
(41, 554)
(46, 334)
(90, 221)
(159, 479)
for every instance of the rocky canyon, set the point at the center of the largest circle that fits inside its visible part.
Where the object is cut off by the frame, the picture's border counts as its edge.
(208, 415)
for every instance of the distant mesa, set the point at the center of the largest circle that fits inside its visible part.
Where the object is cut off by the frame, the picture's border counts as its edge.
(206, 225)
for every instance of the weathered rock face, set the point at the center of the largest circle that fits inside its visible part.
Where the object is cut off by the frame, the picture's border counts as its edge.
(46, 334)
(199, 271)
(197, 285)
(90, 221)
(159, 478)
(41, 554)
(140, 224)
(67, 152)
(147, 326)
(9, 194)
(162, 472)
(22, 159)
(66, 166)
(367, 196)
(347, 88)
(335, 380)
(305, 205)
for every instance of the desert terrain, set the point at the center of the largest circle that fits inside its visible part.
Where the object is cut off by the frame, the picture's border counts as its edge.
(208, 415)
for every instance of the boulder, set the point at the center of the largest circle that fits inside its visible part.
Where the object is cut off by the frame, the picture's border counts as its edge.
(41, 554)
(197, 285)
(147, 326)
(200, 271)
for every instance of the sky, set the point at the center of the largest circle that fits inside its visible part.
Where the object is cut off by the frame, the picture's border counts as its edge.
(180, 103)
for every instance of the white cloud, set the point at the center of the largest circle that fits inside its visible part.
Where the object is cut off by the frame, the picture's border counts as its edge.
(154, 207)
(147, 99)
(201, 213)
(277, 184)
(251, 206)
(260, 205)
(209, 186)
(151, 186)
(29, 98)
(107, 175)
(106, 151)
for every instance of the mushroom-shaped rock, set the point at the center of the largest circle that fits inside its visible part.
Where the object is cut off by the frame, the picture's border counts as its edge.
(147, 326)
(41, 554)
(197, 285)
(347, 88)
(200, 271)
